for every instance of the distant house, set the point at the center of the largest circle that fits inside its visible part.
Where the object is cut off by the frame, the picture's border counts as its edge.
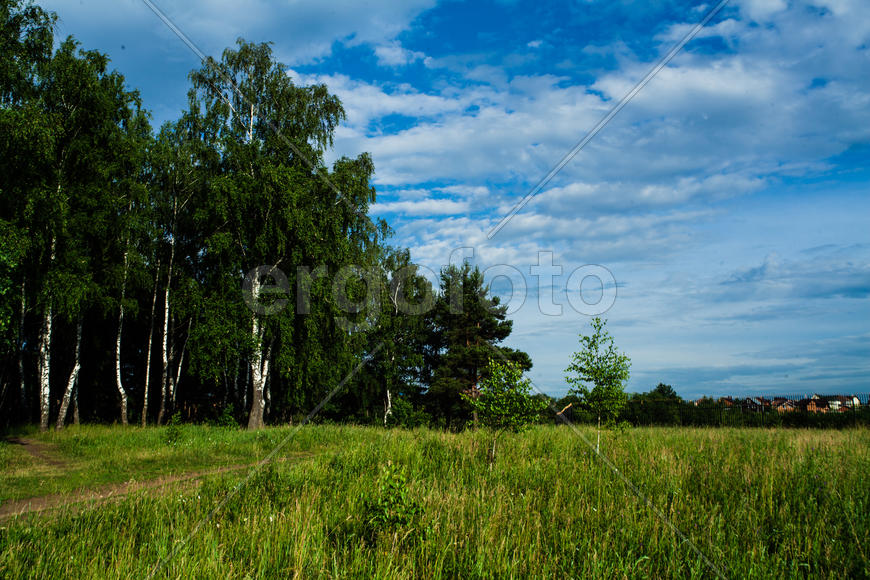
(814, 404)
(783, 405)
(755, 404)
(842, 403)
(761, 402)
(750, 404)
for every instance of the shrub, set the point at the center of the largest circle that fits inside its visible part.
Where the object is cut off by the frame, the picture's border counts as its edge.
(173, 429)
(392, 508)
(405, 415)
(226, 418)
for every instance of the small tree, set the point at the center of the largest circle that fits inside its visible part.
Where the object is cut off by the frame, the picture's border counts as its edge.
(504, 401)
(598, 373)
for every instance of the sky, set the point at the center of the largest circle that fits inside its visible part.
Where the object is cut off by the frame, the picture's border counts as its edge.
(720, 221)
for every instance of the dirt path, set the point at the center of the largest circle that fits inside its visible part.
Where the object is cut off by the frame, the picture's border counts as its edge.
(98, 495)
(103, 493)
(39, 451)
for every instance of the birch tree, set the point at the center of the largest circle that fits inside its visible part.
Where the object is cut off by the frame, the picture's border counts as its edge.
(174, 187)
(396, 371)
(275, 204)
(82, 107)
(26, 46)
(598, 373)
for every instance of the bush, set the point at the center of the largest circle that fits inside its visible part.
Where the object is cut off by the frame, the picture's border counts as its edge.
(393, 508)
(405, 415)
(226, 418)
(173, 429)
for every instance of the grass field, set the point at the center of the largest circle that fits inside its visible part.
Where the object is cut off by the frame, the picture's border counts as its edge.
(365, 502)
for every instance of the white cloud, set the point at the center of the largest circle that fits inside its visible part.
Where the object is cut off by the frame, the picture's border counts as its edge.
(425, 207)
(303, 30)
(762, 10)
(393, 54)
(365, 102)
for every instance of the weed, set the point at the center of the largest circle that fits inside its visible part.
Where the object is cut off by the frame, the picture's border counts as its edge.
(392, 508)
(173, 430)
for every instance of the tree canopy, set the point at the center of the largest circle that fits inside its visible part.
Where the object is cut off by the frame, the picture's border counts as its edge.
(598, 372)
(467, 327)
(215, 263)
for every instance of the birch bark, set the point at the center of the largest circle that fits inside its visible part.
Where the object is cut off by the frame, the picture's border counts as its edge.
(164, 379)
(118, 382)
(148, 352)
(73, 379)
(44, 364)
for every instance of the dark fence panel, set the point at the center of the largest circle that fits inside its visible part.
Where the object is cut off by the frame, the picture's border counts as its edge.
(827, 411)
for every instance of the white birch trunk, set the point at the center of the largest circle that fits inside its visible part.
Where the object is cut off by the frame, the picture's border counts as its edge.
(44, 367)
(73, 378)
(118, 382)
(164, 379)
(259, 374)
(388, 404)
(259, 367)
(148, 352)
(247, 371)
(268, 396)
(388, 407)
(24, 400)
(177, 379)
(121, 392)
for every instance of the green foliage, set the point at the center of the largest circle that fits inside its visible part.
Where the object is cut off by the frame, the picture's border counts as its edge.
(598, 373)
(12, 250)
(260, 143)
(227, 417)
(391, 507)
(467, 325)
(147, 235)
(405, 415)
(505, 401)
(397, 336)
(173, 430)
(660, 406)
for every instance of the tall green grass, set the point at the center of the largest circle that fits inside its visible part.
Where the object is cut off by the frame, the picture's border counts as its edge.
(764, 504)
(90, 455)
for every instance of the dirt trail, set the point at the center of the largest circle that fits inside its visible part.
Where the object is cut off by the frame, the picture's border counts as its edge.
(98, 495)
(38, 450)
(104, 493)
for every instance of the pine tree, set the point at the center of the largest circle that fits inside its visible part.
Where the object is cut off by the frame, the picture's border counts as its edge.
(467, 326)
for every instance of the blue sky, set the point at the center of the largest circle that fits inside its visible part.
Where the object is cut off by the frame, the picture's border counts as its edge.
(729, 198)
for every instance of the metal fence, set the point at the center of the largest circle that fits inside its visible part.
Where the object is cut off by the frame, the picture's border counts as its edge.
(813, 410)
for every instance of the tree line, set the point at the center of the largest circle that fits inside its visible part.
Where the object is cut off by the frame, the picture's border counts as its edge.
(141, 269)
